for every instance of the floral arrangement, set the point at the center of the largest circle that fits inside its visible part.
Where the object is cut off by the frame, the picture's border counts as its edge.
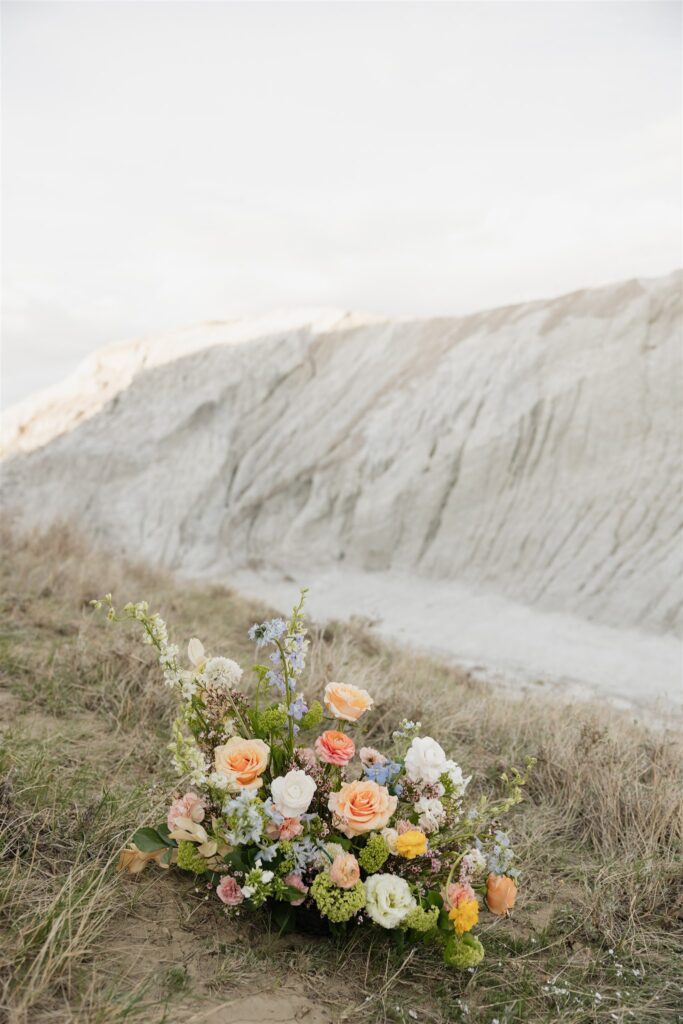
(285, 808)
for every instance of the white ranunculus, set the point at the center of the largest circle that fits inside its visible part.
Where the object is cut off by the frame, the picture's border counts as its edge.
(292, 793)
(431, 812)
(389, 899)
(425, 760)
(222, 674)
(454, 773)
(195, 652)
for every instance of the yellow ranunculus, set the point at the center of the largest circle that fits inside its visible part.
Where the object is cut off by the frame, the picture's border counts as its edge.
(411, 844)
(465, 916)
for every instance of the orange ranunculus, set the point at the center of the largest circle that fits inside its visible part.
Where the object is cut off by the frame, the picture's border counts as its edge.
(243, 761)
(345, 870)
(335, 747)
(346, 702)
(361, 807)
(501, 893)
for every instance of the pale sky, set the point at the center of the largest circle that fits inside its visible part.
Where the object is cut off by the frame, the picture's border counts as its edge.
(168, 163)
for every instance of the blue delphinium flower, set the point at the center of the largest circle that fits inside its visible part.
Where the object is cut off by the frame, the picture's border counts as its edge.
(244, 817)
(382, 774)
(298, 708)
(265, 633)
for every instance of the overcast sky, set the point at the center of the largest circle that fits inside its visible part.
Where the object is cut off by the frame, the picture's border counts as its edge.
(166, 163)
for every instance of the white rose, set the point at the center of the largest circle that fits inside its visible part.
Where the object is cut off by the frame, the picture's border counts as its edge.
(454, 773)
(389, 899)
(432, 813)
(425, 760)
(390, 835)
(292, 793)
(222, 674)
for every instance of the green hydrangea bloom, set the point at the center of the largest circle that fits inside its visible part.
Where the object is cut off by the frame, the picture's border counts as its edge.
(313, 717)
(189, 859)
(288, 862)
(374, 854)
(463, 951)
(335, 903)
(422, 920)
(273, 718)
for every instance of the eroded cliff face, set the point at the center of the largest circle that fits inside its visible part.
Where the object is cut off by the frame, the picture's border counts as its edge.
(533, 451)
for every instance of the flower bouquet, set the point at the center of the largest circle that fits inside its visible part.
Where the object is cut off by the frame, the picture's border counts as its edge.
(286, 808)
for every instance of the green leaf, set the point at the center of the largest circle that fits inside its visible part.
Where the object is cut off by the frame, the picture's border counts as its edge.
(148, 839)
(284, 917)
(434, 899)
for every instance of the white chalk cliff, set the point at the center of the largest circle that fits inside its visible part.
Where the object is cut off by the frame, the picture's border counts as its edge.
(532, 453)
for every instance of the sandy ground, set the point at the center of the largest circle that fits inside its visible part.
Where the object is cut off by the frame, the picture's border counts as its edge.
(503, 641)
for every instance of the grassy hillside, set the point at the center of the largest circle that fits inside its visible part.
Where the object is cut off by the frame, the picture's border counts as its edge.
(85, 720)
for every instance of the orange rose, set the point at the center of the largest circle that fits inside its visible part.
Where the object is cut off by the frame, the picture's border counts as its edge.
(335, 747)
(501, 893)
(361, 807)
(243, 761)
(346, 702)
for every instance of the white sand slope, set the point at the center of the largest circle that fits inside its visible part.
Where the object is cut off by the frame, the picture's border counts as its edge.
(525, 462)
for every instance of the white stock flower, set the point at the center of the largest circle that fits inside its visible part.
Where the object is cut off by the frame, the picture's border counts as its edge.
(389, 899)
(292, 793)
(425, 761)
(266, 876)
(222, 674)
(454, 773)
(431, 812)
(477, 861)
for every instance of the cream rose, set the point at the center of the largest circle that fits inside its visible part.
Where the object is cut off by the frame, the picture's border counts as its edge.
(242, 761)
(425, 761)
(292, 793)
(389, 899)
(361, 807)
(346, 702)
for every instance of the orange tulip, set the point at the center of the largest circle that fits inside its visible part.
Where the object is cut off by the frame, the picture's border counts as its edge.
(501, 893)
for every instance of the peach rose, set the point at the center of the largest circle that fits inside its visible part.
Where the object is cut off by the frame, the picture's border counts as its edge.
(335, 747)
(243, 761)
(346, 702)
(361, 807)
(501, 893)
